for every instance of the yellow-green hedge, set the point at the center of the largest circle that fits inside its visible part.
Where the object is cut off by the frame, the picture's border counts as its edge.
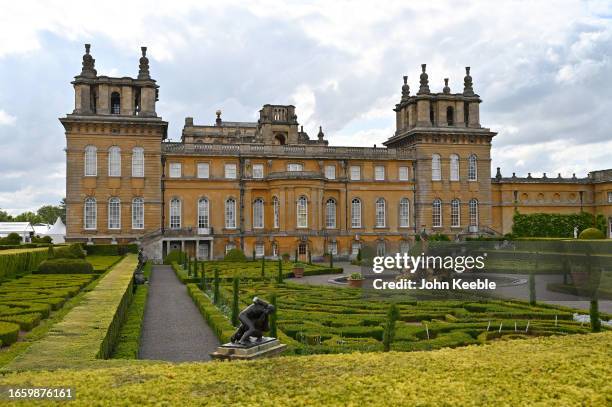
(90, 329)
(20, 261)
(556, 371)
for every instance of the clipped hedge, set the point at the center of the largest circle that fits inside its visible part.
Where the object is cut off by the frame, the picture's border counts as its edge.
(553, 224)
(17, 262)
(9, 332)
(111, 249)
(73, 251)
(219, 323)
(555, 371)
(90, 330)
(591, 233)
(65, 266)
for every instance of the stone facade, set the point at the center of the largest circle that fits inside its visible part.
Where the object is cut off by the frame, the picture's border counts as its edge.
(267, 186)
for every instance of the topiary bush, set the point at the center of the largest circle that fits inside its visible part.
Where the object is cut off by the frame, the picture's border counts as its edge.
(235, 255)
(74, 251)
(111, 249)
(175, 256)
(591, 233)
(9, 332)
(65, 266)
(553, 224)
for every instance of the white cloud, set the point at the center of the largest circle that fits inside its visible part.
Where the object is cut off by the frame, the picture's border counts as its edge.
(6, 119)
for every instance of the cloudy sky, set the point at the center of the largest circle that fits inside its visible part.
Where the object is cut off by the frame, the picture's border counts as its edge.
(542, 70)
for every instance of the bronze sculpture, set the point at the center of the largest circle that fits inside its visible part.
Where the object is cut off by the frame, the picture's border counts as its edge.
(253, 322)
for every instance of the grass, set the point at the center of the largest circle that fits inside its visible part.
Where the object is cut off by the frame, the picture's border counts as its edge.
(128, 342)
(89, 330)
(102, 263)
(563, 371)
(337, 320)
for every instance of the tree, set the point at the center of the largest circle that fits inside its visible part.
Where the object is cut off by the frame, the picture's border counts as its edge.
(28, 217)
(5, 217)
(389, 328)
(235, 301)
(50, 213)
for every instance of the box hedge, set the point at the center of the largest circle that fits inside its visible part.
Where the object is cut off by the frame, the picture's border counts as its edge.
(65, 266)
(9, 332)
(111, 249)
(18, 262)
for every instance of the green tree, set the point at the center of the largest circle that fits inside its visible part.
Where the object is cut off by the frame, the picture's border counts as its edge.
(389, 330)
(28, 217)
(279, 278)
(5, 217)
(235, 300)
(216, 293)
(50, 213)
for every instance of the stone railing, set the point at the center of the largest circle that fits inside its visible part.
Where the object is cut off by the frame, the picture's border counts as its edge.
(316, 151)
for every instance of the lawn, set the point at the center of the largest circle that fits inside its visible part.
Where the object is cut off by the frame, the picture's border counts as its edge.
(102, 263)
(336, 320)
(557, 371)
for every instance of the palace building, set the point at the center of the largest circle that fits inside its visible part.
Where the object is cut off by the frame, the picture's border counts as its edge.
(270, 188)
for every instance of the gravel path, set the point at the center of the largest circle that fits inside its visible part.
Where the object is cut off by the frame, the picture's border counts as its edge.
(173, 328)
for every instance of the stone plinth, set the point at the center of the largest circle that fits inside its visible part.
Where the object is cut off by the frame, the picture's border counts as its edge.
(267, 347)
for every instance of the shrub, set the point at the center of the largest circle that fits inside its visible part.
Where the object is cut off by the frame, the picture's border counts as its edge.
(438, 237)
(551, 224)
(111, 249)
(235, 255)
(356, 276)
(65, 266)
(12, 238)
(73, 251)
(175, 256)
(17, 262)
(591, 233)
(9, 332)
(44, 239)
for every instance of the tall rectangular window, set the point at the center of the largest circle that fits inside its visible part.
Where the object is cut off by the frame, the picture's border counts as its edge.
(138, 213)
(258, 171)
(114, 162)
(436, 213)
(203, 170)
(404, 213)
(203, 215)
(90, 215)
(258, 213)
(355, 213)
(175, 213)
(455, 213)
(609, 197)
(355, 248)
(302, 212)
(355, 173)
(380, 213)
(230, 171)
(454, 167)
(379, 173)
(436, 170)
(276, 209)
(114, 213)
(91, 161)
(332, 248)
(176, 170)
(138, 162)
(230, 213)
(260, 250)
(330, 171)
(403, 173)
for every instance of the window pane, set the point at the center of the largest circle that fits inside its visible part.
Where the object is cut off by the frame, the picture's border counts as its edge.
(230, 214)
(330, 214)
(332, 248)
(91, 161)
(379, 173)
(258, 214)
(404, 213)
(259, 250)
(436, 174)
(455, 213)
(114, 213)
(380, 213)
(138, 213)
(330, 172)
(138, 162)
(302, 213)
(472, 168)
(203, 214)
(356, 213)
(175, 214)
(454, 167)
(90, 213)
(295, 167)
(203, 170)
(437, 213)
(114, 162)
(355, 173)
(230, 171)
(473, 212)
(403, 173)
(175, 170)
(258, 171)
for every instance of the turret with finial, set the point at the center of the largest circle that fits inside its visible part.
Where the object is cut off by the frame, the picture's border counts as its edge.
(143, 68)
(424, 80)
(468, 90)
(405, 89)
(89, 63)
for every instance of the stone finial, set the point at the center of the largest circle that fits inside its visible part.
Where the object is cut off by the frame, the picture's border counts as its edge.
(218, 120)
(574, 175)
(544, 175)
(559, 175)
(89, 63)
(405, 89)
(468, 90)
(321, 134)
(446, 89)
(514, 175)
(498, 175)
(143, 68)
(528, 175)
(424, 80)
(302, 129)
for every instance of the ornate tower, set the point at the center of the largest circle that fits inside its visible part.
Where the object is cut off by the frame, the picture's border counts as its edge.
(452, 168)
(113, 156)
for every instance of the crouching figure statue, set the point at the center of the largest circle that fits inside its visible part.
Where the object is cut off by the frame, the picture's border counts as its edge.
(253, 322)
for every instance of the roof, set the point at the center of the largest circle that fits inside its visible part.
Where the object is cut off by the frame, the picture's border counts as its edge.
(58, 228)
(17, 227)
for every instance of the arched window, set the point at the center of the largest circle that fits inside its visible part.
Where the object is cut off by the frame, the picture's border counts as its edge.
(258, 213)
(330, 214)
(356, 213)
(450, 116)
(436, 212)
(436, 172)
(230, 213)
(473, 212)
(404, 213)
(175, 213)
(114, 213)
(302, 212)
(454, 167)
(472, 168)
(380, 213)
(276, 210)
(91, 213)
(137, 213)
(138, 162)
(115, 103)
(114, 161)
(91, 161)
(203, 218)
(455, 213)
